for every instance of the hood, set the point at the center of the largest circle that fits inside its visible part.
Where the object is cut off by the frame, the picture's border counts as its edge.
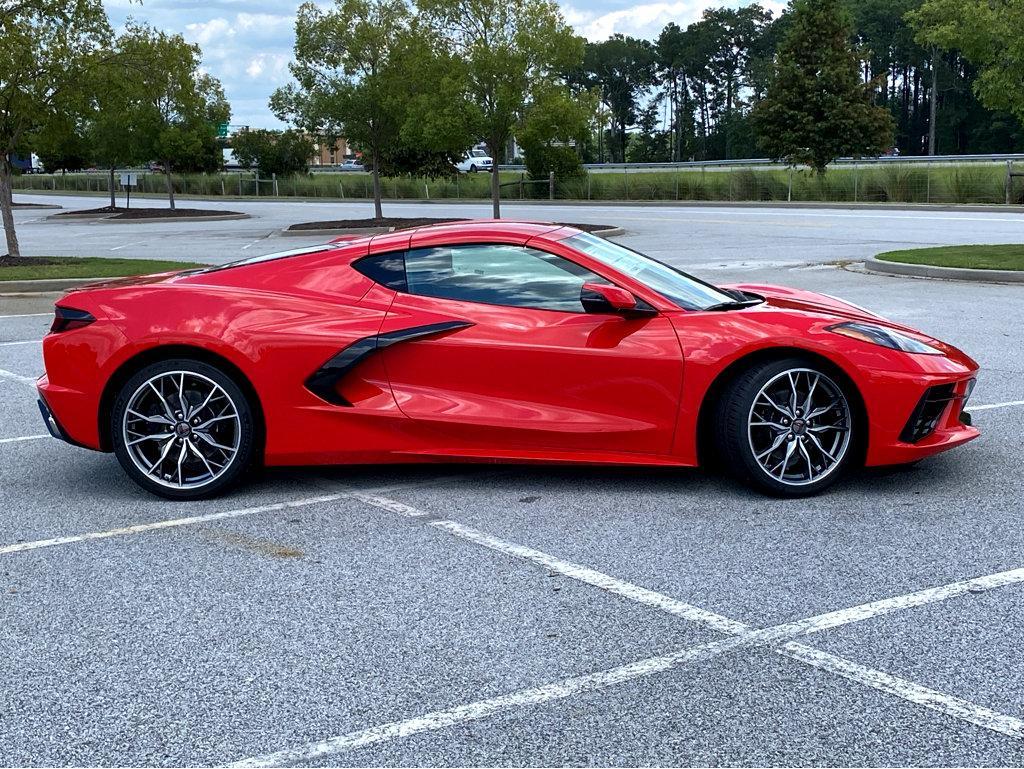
(809, 301)
(823, 305)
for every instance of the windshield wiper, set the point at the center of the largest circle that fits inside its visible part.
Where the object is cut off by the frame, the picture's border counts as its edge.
(736, 305)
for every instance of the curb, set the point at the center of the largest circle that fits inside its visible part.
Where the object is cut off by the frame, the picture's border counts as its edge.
(71, 216)
(109, 218)
(35, 206)
(609, 232)
(946, 273)
(991, 208)
(44, 286)
(288, 232)
(158, 219)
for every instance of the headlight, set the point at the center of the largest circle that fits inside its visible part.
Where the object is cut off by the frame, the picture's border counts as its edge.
(886, 337)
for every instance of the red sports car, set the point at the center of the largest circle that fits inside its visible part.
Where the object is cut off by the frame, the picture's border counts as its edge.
(488, 341)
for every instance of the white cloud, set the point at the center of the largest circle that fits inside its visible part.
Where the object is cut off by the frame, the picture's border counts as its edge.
(275, 65)
(645, 20)
(205, 32)
(247, 44)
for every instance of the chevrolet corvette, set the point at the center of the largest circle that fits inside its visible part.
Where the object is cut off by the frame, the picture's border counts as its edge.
(492, 341)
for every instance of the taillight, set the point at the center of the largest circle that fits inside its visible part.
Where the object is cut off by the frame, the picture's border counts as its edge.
(68, 318)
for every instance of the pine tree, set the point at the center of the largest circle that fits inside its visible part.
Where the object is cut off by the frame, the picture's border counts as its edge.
(817, 108)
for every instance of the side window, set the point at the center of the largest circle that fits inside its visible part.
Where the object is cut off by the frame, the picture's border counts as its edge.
(514, 276)
(386, 269)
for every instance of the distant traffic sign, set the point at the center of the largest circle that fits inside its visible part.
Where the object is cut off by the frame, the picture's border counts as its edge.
(222, 130)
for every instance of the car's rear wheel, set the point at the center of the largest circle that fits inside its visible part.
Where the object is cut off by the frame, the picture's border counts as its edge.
(786, 427)
(183, 429)
(472, 169)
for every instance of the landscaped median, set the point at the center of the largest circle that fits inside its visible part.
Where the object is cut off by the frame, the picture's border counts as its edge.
(1003, 263)
(56, 273)
(390, 223)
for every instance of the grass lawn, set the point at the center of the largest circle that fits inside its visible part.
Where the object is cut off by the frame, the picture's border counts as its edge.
(42, 267)
(1000, 257)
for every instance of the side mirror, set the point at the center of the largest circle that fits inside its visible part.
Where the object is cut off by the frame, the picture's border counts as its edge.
(601, 298)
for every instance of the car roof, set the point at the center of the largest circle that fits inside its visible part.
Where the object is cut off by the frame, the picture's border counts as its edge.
(505, 230)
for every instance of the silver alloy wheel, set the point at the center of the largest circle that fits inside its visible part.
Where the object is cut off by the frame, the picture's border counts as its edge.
(181, 429)
(799, 427)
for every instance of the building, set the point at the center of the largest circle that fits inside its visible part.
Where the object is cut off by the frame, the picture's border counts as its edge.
(329, 154)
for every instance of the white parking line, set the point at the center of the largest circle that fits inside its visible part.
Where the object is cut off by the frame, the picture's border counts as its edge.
(875, 679)
(743, 636)
(473, 711)
(568, 687)
(140, 528)
(987, 406)
(908, 690)
(127, 245)
(5, 374)
(23, 341)
(21, 438)
(29, 315)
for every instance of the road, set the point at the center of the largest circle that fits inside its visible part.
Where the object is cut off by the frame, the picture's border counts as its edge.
(699, 238)
(451, 615)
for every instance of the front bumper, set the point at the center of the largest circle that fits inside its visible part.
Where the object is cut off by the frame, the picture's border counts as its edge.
(946, 428)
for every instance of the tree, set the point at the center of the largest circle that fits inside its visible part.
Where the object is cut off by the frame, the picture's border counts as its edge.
(273, 152)
(510, 49)
(45, 48)
(174, 106)
(554, 125)
(346, 67)
(817, 108)
(990, 35)
(62, 145)
(623, 70)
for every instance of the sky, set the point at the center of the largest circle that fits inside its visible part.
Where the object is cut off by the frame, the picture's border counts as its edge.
(247, 44)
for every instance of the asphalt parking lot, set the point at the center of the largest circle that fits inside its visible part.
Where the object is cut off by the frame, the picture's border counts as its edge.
(456, 615)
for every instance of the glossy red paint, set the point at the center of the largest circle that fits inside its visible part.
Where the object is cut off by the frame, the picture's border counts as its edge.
(502, 383)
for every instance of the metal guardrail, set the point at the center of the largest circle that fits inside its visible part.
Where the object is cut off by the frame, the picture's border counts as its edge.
(768, 162)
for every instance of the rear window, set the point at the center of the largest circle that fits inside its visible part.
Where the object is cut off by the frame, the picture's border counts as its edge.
(385, 269)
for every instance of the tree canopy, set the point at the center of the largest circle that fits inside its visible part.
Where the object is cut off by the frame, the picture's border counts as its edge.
(273, 152)
(46, 49)
(511, 50)
(817, 106)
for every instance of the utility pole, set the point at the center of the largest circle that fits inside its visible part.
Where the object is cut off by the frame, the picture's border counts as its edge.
(934, 100)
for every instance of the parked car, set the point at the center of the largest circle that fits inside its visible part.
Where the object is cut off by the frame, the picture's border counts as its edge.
(489, 341)
(475, 160)
(352, 164)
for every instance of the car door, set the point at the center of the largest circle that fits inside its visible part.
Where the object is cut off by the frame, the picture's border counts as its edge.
(500, 357)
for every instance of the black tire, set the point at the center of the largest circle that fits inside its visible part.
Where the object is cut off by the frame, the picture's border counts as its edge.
(472, 169)
(243, 435)
(734, 437)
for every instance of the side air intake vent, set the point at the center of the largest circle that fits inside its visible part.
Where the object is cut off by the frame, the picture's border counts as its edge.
(926, 415)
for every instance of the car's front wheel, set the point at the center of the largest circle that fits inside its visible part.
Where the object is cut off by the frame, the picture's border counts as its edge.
(786, 427)
(183, 429)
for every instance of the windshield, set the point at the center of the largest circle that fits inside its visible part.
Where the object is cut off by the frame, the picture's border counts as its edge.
(678, 287)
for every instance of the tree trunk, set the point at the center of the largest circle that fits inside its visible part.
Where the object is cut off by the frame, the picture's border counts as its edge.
(170, 184)
(7, 206)
(113, 201)
(493, 148)
(378, 209)
(932, 102)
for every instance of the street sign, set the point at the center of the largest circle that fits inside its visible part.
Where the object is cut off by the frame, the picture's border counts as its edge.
(222, 130)
(129, 180)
